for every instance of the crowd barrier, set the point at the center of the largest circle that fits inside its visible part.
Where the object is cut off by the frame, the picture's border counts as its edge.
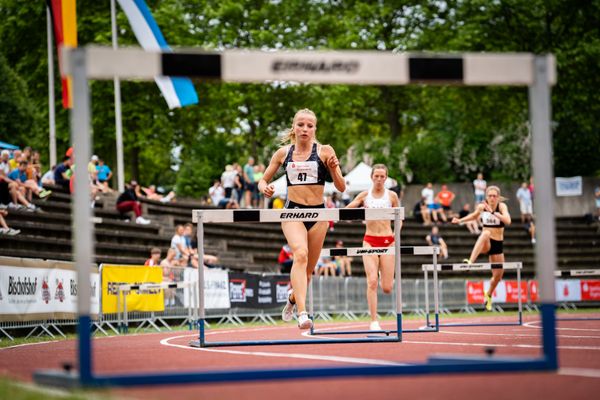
(40, 296)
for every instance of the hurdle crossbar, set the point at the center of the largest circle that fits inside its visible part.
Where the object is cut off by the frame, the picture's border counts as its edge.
(577, 272)
(537, 72)
(365, 251)
(462, 267)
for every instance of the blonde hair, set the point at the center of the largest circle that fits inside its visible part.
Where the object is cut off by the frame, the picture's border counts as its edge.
(497, 189)
(290, 135)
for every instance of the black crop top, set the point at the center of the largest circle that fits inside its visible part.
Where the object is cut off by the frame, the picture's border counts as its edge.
(310, 172)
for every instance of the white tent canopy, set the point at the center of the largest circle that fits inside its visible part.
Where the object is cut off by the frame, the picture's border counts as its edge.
(357, 180)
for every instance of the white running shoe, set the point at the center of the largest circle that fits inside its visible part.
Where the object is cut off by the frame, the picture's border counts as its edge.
(303, 321)
(374, 326)
(13, 232)
(287, 314)
(142, 221)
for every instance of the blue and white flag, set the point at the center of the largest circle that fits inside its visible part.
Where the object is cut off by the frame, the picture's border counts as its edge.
(178, 92)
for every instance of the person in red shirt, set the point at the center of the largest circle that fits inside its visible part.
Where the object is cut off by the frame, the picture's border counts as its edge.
(445, 198)
(154, 260)
(285, 259)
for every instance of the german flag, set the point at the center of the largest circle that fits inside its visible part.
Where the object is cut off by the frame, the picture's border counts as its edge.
(64, 21)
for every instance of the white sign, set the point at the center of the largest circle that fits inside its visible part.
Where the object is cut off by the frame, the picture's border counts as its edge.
(568, 290)
(569, 186)
(216, 288)
(43, 291)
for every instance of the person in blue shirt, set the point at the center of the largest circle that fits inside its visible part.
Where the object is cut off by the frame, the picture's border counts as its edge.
(103, 175)
(27, 186)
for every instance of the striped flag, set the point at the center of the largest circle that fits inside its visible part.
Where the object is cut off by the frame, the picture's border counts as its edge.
(177, 91)
(64, 21)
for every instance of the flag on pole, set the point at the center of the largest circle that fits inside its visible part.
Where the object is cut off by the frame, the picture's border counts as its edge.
(177, 91)
(64, 21)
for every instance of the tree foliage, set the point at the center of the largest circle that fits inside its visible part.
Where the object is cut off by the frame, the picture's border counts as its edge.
(423, 133)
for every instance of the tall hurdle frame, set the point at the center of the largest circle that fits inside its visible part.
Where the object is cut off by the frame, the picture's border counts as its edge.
(345, 67)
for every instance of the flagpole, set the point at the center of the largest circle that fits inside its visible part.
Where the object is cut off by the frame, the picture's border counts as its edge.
(118, 120)
(51, 105)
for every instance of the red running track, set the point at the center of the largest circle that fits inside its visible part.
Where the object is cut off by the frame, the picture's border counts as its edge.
(578, 377)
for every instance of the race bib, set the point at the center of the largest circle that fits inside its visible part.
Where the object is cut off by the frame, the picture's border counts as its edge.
(490, 219)
(302, 172)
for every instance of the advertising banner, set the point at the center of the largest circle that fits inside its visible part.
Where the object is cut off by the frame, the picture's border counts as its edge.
(258, 291)
(567, 290)
(506, 292)
(474, 292)
(216, 288)
(38, 289)
(115, 275)
(572, 186)
(590, 290)
(512, 291)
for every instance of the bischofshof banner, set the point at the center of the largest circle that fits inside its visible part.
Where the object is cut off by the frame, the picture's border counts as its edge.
(35, 289)
(113, 276)
(216, 288)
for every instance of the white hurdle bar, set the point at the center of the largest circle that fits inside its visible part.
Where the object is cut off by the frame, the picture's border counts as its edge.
(124, 289)
(434, 251)
(578, 272)
(518, 266)
(200, 217)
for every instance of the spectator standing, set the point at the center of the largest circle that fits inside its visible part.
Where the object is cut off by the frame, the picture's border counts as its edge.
(154, 259)
(445, 197)
(479, 186)
(525, 202)
(285, 259)
(128, 201)
(435, 239)
(471, 225)
(249, 183)
(228, 180)
(258, 198)
(217, 196)
(92, 169)
(239, 182)
(428, 194)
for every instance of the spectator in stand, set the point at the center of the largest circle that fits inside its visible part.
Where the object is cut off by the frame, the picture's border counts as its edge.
(530, 228)
(326, 267)
(531, 188)
(479, 186)
(128, 201)
(258, 198)
(34, 169)
(525, 202)
(285, 259)
(5, 162)
(346, 198)
(182, 252)
(151, 194)
(188, 231)
(239, 183)
(48, 177)
(4, 229)
(104, 174)
(27, 186)
(472, 226)
(434, 239)
(62, 173)
(343, 263)
(217, 195)
(11, 196)
(169, 267)
(16, 158)
(329, 204)
(445, 197)
(154, 259)
(228, 180)
(249, 183)
(92, 169)
(421, 212)
(597, 201)
(432, 207)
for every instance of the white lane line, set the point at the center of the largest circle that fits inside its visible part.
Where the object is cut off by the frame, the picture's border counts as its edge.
(350, 360)
(29, 344)
(584, 372)
(517, 334)
(530, 325)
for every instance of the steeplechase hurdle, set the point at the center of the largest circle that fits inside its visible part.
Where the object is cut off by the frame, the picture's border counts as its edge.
(434, 251)
(535, 72)
(125, 289)
(472, 267)
(577, 273)
(309, 214)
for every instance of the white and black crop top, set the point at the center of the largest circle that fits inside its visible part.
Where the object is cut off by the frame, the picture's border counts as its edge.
(310, 172)
(489, 220)
(382, 202)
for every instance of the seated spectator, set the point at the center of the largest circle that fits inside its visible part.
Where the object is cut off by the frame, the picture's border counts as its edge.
(210, 261)
(188, 230)
(421, 212)
(445, 198)
(182, 252)
(217, 195)
(326, 267)
(434, 239)
(128, 201)
(62, 173)
(5, 162)
(152, 194)
(27, 186)
(472, 226)
(16, 158)
(530, 228)
(169, 267)
(5, 230)
(343, 263)
(154, 259)
(285, 259)
(11, 196)
(48, 177)
(103, 175)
